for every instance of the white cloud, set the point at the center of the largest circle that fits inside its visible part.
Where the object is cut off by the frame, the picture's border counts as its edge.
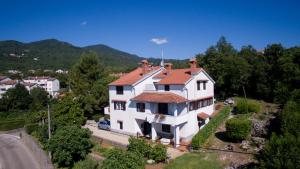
(83, 23)
(159, 41)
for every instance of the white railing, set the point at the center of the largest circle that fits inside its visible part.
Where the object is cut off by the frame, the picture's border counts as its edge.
(162, 118)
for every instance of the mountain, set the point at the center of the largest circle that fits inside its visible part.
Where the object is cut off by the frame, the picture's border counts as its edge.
(54, 54)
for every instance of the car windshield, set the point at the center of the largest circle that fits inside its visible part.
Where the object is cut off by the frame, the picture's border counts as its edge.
(108, 122)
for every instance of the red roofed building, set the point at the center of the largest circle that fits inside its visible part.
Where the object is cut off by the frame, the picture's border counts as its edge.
(161, 102)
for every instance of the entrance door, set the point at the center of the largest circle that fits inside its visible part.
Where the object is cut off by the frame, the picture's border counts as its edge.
(163, 108)
(146, 128)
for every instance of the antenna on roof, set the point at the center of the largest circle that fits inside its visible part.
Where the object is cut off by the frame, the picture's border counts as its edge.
(162, 58)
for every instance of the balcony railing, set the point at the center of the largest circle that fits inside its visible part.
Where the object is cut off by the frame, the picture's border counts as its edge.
(162, 118)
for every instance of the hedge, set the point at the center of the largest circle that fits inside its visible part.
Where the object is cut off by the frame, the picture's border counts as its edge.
(11, 124)
(237, 129)
(243, 105)
(200, 138)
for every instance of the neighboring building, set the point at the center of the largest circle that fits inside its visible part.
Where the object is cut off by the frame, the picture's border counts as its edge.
(6, 84)
(161, 102)
(51, 85)
(62, 71)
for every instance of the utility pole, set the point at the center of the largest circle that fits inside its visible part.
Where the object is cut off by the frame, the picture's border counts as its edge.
(49, 127)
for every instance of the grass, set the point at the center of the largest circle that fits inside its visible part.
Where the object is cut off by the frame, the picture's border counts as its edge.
(101, 149)
(196, 161)
(11, 124)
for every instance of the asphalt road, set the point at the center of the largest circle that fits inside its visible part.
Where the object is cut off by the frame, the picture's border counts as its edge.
(14, 155)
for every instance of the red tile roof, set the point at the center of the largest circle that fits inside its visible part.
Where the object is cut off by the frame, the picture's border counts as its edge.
(160, 97)
(203, 115)
(133, 76)
(176, 76)
(3, 77)
(9, 82)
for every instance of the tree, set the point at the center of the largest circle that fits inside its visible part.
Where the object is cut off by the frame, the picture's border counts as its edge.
(68, 111)
(88, 81)
(70, 144)
(118, 158)
(281, 152)
(16, 98)
(39, 98)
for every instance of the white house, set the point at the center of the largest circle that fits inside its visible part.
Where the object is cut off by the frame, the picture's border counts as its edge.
(5, 84)
(51, 85)
(161, 102)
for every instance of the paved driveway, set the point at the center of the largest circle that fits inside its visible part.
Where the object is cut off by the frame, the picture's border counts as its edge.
(121, 138)
(14, 155)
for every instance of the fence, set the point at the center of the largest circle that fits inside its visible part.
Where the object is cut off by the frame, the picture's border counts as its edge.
(38, 152)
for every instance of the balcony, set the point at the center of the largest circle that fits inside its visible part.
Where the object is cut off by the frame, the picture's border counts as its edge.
(161, 118)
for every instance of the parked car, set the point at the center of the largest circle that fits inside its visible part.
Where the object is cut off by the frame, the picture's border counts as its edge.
(104, 124)
(229, 101)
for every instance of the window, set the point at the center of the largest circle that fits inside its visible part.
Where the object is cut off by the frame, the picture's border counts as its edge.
(120, 124)
(195, 105)
(198, 85)
(167, 87)
(119, 105)
(120, 89)
(166, 128)
(140, 107)
(204, 85)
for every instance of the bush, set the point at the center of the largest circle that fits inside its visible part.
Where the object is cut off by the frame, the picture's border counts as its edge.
(97, 117)
(244, 106)
(237, 129)
(70, 144)
(140, 146)
(118, 158)
(29, 128)
(159, 153)
(200, 138)
(87, 163)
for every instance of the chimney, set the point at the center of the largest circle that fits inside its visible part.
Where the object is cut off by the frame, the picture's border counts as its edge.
(168, 66)
(145, 66)
(193, 63)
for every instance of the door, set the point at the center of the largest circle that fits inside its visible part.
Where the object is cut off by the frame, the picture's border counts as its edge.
(146, 128)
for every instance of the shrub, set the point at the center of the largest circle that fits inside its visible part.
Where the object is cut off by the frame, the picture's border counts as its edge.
(97, 117)
(200, 138)
(87, 163)
(70, 144)
(118, 158)
(244, 106)
(29, 128)
(237, 129)
(140, 146)
(159, 153)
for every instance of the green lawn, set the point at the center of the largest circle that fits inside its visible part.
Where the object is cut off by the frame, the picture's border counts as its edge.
(196, 161)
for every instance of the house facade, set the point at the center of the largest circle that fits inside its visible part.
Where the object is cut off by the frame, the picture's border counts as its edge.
(161, 102)
(51, 85)
(5, 84)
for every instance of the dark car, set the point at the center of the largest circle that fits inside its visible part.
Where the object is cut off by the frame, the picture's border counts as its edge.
(104, 124)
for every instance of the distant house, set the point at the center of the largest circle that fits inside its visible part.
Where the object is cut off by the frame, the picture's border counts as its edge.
(6, 84)
(161, 102)
(51, 85)
(61, 71)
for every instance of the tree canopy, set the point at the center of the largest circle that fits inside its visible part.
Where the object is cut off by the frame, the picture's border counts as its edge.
(88, 82)
(272, 74)
(70, 144)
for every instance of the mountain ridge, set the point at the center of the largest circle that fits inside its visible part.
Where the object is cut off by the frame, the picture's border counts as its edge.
(55, 54)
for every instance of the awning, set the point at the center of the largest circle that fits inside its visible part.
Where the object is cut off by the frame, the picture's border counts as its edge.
(203, 115)
(159, 97)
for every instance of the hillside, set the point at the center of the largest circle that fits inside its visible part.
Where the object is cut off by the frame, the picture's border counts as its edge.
(54, 54)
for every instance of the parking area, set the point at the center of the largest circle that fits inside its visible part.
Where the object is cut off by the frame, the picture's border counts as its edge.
(121, 139)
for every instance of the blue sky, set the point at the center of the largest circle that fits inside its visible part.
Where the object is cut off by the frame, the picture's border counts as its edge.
(190, 27)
